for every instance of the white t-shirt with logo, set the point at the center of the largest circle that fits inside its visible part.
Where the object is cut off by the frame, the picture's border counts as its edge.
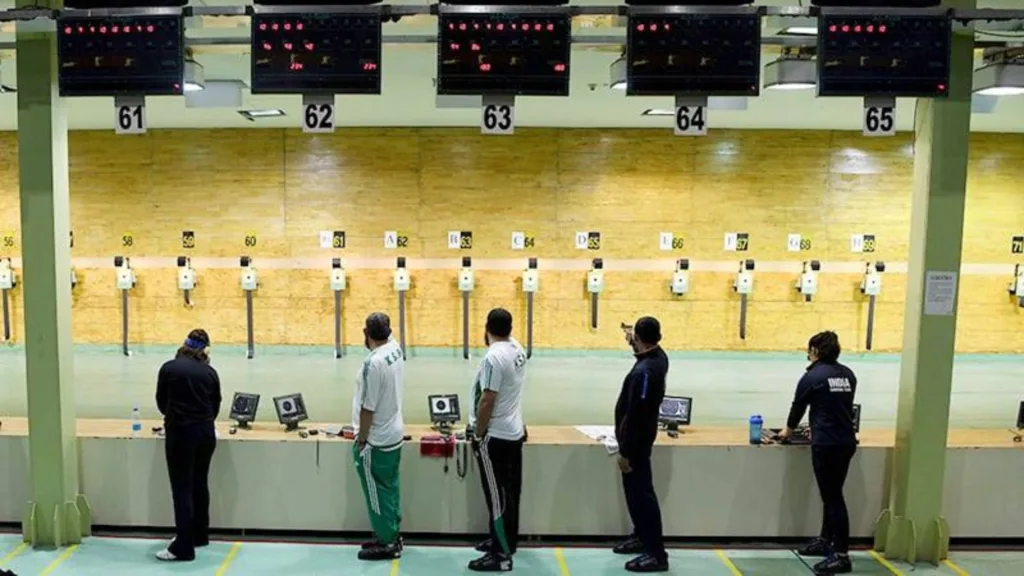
(502, 370)
(379, 386)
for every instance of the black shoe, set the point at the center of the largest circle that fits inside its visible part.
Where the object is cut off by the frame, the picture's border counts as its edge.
(484, 546)
(817, 548)
(631, 546)
(382, 552)
(373, 543)
(647, 563)
(492, 563)
(835, 564)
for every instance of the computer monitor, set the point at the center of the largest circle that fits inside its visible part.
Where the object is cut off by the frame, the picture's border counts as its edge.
(856, 418)
(675, 411)
(243, 408)
(1020, 417)
(444, 409)
(290, 411)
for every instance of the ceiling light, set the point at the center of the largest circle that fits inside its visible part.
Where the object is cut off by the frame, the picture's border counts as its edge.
(791, 73)
(800, 31)
(195, 79)
(1002, 73)
(658, 112)
(258, 113)
(617, 74)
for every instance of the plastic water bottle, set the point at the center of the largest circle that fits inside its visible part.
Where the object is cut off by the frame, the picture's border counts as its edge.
(136, 422)
(756, 426)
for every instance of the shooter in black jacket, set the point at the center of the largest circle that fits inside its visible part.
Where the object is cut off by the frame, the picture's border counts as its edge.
(636, 427)
(828, 388)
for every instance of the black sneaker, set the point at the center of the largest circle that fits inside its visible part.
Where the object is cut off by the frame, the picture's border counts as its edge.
(492, 563)
(372, 543)
(484, 546)
(631, 546)
(817, 548)
(647, 563)
(835, 564)
(381, 552)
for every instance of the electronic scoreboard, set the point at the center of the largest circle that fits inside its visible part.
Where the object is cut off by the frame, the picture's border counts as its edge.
(883, 55)
(710, 54)
(316, 53)
(520, 52)
(111, 55)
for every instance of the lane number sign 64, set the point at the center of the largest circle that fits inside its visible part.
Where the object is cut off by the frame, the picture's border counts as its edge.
(691, 121)
(130, 119)
(318, 117)
(498, 119)
(879, 121)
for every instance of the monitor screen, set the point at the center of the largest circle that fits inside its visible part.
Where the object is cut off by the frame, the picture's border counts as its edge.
(316, 53)
(112, 55)
(883, 55)
(444, 408)
(701, 54)
(516, 54)
(244, 406)
(290, 408)
(675, 410)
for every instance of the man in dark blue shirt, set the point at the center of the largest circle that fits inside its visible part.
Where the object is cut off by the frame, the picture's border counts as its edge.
(636, 427)
(828, 388)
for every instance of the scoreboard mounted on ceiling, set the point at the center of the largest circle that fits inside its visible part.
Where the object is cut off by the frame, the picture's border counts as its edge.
(325, 48)
(893, 53)
(693, 50)
(504, 50)
(115, 47)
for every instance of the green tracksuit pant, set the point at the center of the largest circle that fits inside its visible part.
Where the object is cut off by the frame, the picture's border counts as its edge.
(378, 475)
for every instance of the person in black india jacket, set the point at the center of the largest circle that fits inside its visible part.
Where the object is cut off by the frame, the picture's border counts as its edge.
(828, 388)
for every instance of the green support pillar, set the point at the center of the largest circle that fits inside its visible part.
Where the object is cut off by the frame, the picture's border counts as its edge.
(57, 515)
(913, 527)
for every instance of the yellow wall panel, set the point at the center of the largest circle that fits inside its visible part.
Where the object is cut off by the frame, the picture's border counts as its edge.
(283, 188)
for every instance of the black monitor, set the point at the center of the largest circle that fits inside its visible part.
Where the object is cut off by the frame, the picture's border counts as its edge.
(444, 409)
(1020, 417)
(856, 418)
(243, 408)
(675, 411)
(290, 411)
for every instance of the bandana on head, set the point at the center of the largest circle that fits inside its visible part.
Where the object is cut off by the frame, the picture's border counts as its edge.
(195, 344)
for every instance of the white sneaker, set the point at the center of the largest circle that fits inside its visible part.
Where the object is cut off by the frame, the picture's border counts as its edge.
(166, 556)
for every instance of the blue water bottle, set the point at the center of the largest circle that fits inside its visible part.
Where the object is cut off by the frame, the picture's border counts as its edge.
(756, 425)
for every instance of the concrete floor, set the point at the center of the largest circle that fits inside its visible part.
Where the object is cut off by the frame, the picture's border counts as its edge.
(117, 556)
(562, 388)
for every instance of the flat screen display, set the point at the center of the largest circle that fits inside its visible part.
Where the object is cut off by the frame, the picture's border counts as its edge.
(316, 53)
(111, 55)
(517, 54)
(705, 54)
(883, 55)
(675, 409)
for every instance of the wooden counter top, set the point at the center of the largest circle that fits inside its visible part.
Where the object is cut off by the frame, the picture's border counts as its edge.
(691, 436)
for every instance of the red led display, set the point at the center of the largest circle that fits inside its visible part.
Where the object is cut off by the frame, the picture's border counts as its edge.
(316, 53)
(883, 55)
(704, 54)
(121, 55)
(523, 54)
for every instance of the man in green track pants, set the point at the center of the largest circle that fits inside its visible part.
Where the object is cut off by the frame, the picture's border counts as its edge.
(377, 417)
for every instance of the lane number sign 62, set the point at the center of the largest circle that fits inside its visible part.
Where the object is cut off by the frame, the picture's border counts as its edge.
(318, 117)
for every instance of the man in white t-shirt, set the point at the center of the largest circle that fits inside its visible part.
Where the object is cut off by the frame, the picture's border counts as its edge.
(497, 414)
(377, 418)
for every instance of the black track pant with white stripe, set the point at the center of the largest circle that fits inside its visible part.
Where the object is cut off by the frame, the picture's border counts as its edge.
(501, 472)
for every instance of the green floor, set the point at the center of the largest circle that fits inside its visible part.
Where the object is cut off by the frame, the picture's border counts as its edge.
(113, 556)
